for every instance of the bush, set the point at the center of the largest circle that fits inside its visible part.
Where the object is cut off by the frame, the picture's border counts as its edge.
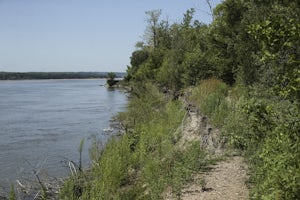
(267, 128)
(277, 162)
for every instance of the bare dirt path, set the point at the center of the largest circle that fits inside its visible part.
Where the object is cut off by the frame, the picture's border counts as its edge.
(226, 179)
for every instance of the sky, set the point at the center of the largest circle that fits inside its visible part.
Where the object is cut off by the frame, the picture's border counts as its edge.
(80, 35)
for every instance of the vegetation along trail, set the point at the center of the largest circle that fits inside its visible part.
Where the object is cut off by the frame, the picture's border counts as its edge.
(224, 179)
(241, 75)
(212, 106)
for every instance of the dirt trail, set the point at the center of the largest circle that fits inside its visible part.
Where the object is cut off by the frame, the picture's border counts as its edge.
(226, 179)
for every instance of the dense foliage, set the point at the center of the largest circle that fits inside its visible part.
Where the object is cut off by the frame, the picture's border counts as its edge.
(254, 46)
(243, 72)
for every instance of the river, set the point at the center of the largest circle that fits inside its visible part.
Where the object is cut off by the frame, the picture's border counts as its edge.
(43, 121)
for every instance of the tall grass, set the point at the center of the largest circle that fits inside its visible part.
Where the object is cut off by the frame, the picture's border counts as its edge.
(144, 162)
(12, 194)
(209, 96)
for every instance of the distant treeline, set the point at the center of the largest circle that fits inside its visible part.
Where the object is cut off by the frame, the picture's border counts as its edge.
(55, 75)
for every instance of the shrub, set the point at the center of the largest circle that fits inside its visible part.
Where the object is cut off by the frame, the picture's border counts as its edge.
(267, 128)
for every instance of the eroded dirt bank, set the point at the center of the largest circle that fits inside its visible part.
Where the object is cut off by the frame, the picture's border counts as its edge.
(224, 180)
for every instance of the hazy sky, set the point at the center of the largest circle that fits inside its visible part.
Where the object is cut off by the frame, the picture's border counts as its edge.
(79, 35)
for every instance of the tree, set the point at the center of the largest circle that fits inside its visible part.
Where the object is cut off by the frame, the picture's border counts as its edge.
(223, 38)
(279, 39)
(151, 34)
(111, 79)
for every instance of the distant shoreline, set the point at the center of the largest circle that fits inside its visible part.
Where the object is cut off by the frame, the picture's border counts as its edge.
(55, 75)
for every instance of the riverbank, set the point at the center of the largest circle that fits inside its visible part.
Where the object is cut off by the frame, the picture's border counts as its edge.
(198, 145)
(167, 143)
(192, 132)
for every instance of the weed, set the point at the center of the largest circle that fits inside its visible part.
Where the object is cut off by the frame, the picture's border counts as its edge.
(12, 193)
